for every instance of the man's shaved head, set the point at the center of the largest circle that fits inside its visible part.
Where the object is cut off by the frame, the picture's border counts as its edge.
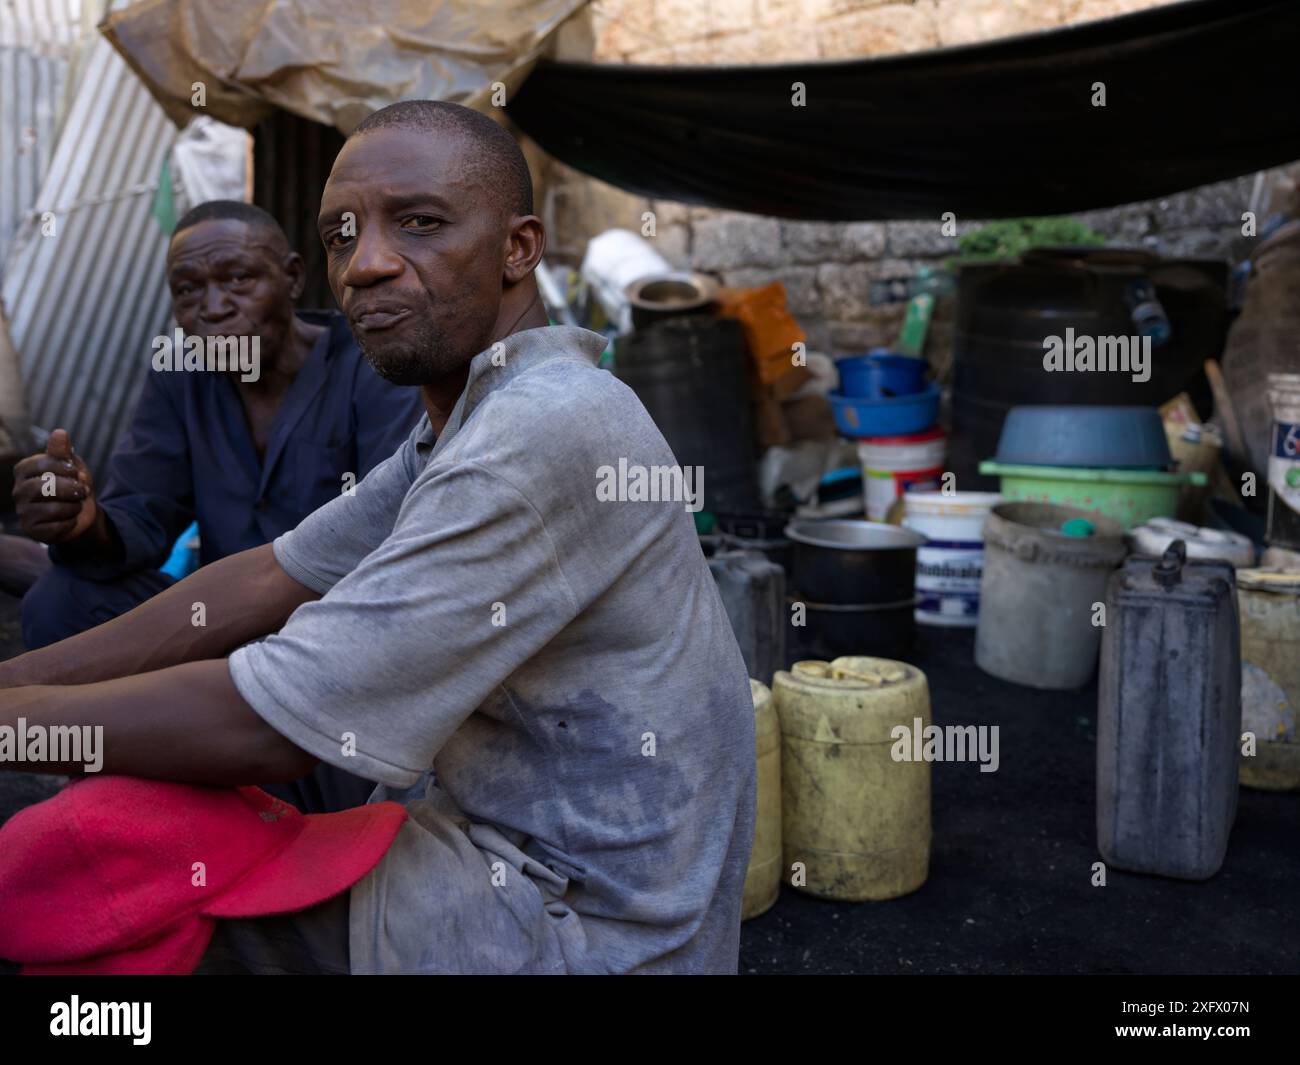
(491, 156)
(232, 210)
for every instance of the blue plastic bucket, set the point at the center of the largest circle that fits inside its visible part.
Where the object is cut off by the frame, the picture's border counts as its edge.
(894, 416)
(881, 375)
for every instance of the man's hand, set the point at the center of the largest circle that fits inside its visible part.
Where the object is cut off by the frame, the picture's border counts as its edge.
(54, 493)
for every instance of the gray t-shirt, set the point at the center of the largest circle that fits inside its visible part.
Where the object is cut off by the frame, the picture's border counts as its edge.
(545, 677)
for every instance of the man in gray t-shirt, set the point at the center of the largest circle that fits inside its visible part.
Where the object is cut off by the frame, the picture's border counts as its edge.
(561, 663)
(509, 624)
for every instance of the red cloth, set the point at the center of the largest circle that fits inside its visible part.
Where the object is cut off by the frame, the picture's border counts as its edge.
(121, 875)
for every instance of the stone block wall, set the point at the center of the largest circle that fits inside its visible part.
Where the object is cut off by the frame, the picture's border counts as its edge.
(827, 267)
(756, 31)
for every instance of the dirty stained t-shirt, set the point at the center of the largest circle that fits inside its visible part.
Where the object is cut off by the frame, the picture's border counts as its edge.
(547, 680)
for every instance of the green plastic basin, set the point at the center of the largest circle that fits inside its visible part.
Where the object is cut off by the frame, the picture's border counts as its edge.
(1129, 496)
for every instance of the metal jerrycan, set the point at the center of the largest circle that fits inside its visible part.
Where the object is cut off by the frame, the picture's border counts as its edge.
(1169, 716)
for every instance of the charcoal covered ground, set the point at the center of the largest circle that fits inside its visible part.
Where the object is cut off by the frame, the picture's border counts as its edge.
(1010, 886)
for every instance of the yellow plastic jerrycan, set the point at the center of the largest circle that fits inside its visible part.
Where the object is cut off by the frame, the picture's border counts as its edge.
(763, 880)
(855, 822)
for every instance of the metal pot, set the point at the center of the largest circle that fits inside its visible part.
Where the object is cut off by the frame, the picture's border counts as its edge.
(662, 296)
(845, 562)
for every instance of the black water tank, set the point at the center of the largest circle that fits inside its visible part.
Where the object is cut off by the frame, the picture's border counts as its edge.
(1006, 310)
(691, 374)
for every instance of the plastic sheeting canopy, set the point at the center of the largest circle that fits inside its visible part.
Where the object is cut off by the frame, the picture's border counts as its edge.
(1194, 92)
(331, 61)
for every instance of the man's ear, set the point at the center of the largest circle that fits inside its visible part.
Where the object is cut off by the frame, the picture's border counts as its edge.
(527, 245)
(296, 271)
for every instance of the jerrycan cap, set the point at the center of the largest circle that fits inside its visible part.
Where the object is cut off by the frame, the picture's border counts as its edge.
(852, 670)
(1169, 570)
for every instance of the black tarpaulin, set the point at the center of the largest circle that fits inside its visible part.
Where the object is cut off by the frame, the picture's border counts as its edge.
(1195, 92)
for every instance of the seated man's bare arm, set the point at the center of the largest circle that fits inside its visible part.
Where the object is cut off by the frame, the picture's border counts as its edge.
(186, 723)
(205, 616)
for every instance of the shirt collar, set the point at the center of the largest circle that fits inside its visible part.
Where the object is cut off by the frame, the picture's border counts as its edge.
(505, 360)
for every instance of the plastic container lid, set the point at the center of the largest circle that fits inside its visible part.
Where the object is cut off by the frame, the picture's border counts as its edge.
(1270, 579)
(1154, 535)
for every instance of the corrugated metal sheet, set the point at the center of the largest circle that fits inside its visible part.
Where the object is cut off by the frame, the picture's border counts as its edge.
(84, 305)
(38, 40)
(292, 157)
(44, 24)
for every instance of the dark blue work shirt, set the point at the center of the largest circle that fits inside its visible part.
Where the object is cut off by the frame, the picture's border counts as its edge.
(189, 455)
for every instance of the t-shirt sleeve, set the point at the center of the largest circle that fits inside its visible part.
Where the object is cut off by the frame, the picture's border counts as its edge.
(376, 676)
(330, 541)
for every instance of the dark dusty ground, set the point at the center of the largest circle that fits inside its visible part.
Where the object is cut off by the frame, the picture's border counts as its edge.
(1010, 886)
(1010, 872)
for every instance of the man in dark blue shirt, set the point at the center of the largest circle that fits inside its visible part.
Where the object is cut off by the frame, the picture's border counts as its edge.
(248, 451)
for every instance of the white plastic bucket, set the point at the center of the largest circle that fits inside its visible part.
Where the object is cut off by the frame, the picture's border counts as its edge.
(892, 465)
(1284, 460)
(615, 259)
(950, 564)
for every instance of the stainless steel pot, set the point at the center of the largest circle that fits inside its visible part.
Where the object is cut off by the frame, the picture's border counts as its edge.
(850, 562)
(857, 582)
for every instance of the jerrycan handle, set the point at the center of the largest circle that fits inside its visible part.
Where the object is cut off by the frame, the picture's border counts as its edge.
(1169, 570)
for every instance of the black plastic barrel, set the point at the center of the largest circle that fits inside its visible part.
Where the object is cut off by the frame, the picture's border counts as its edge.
(690, 373)
(1006, 310)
